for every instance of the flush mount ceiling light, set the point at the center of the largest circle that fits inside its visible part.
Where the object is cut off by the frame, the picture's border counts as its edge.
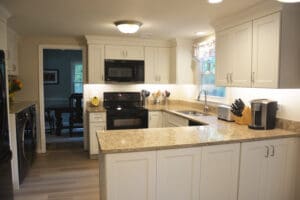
(214, 1)
(128, 26)
(289, 1)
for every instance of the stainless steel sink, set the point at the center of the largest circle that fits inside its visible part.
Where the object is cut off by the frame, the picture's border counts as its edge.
(192, 113)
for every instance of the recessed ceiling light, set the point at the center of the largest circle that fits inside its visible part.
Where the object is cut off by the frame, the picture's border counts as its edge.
(289, 1)
(200, 33)
(128, 26)
(214, 1)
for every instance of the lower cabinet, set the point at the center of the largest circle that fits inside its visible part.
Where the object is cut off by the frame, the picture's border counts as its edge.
(268, 170)
(219, 172)
(262, 170)
(155, 119)
(178, 174)
(172, 120)
(130, 176)
(97, 122)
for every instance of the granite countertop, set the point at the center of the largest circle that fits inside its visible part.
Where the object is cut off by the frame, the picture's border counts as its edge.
(216, 132)
(16, 107)
(92, 109)
(119, 141)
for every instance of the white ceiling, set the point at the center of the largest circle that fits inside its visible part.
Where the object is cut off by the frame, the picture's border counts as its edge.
(160, 18)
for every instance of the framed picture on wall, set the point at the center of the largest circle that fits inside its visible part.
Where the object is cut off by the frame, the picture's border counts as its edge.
(51, 76)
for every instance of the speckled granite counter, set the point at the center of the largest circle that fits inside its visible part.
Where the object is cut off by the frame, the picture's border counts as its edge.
(16, 107)
(216, 132)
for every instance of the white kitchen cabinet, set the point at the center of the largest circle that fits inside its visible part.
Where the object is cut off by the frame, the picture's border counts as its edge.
(266, 39)
(268, 170)
(130, 176)
(157, 64)
(12, 52)
(219, 172)
(233, 56)
(3, 35)
(172, 120)
(95, 63)
(178, 174)
(273, 59)
(183, 69)
(97, 122)
(155, 119)
(124, 52)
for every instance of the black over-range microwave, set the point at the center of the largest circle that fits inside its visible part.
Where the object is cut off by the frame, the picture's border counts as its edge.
(124, 71)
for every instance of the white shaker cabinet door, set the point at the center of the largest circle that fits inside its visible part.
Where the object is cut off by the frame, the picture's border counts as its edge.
(155, 119)
(178, 174)
(93, 140)
(224, 62)
(265, 53)
(219, 172)
(240, 75)
(268, 170)
(95, 63)
(253, 170)
(131, 176)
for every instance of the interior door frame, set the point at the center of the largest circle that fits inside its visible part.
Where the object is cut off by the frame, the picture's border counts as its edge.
(42, 139)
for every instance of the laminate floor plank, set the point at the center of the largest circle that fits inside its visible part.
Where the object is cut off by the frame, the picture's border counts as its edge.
(61, 175)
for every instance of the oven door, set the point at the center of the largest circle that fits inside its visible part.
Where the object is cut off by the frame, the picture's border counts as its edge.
(126, 119)
(124, 71)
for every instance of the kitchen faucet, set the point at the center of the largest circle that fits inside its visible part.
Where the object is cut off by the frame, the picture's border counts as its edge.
(205, 108)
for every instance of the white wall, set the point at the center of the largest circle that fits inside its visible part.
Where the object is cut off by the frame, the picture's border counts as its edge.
(177, 91)
(288, 99)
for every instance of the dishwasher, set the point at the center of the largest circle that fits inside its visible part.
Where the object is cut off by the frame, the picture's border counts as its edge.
(26, 140)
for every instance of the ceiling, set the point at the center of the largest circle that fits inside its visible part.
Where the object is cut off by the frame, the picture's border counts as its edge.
(160, 18)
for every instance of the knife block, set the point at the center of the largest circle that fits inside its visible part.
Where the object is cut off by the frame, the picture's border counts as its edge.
(246, 118)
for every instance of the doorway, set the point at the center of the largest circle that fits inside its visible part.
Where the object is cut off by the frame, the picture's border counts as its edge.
(63, 94)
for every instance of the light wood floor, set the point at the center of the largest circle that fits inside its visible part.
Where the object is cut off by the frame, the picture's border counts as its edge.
(61, 175)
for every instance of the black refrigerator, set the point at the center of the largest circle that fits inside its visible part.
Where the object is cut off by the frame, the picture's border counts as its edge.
(6, 188)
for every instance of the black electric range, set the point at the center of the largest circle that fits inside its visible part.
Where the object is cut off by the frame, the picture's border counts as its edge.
(124, 110)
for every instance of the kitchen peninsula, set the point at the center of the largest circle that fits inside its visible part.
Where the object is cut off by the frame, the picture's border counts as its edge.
(220, 160)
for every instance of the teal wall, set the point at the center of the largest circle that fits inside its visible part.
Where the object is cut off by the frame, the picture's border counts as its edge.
(60, 60)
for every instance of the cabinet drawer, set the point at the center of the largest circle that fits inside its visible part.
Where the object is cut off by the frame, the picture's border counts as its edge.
(97, 117)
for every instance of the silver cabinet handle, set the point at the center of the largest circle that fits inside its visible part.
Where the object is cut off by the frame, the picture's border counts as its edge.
(230, 77)
(273, 151)
(227, 77)
(252, 77)
(102, 78)
(268, 151)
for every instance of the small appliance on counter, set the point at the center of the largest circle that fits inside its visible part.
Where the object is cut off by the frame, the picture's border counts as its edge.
(224, 113)
(263, 113)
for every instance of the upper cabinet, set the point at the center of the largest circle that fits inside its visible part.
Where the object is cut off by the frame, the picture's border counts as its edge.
(262, 53)
(182, 69)
(265, 60)
(3, 35)
(12, 52)
(124, 52)
(233, 56)
(95, 63)
(157, 64)
(155, 53)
